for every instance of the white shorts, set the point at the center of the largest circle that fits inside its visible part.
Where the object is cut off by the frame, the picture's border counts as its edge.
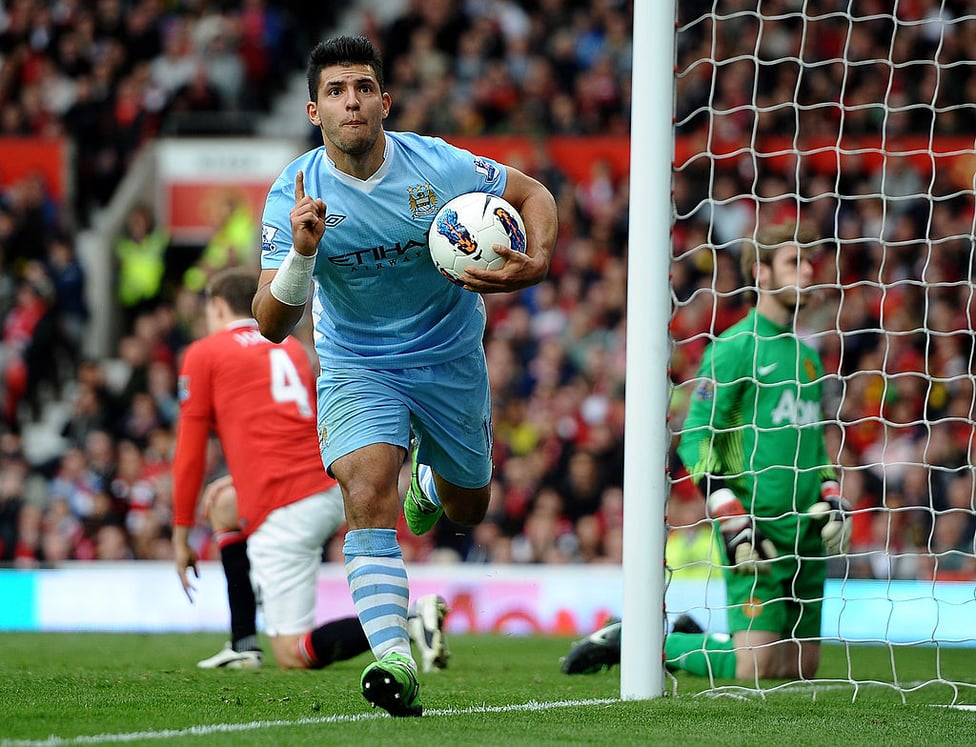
(285, 554)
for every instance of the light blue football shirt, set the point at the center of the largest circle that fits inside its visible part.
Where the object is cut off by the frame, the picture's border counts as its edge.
(378, 300)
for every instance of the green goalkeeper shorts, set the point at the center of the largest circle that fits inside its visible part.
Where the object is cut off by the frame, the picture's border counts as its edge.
(788, 600)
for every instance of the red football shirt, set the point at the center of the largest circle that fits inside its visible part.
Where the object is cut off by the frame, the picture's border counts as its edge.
(259, 398)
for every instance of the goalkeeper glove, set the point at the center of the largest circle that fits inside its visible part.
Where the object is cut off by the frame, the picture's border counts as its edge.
(747, 549)
(834, 512)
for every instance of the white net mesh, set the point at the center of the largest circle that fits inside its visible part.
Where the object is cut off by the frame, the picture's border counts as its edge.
(855, 118)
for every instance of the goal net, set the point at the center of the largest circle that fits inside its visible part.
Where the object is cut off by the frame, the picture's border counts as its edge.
(856, 118)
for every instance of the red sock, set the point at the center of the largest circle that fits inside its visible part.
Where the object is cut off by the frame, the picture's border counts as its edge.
(225, 537)
(306, 652)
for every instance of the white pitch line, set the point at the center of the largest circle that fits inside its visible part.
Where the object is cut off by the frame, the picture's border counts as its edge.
(201, 731)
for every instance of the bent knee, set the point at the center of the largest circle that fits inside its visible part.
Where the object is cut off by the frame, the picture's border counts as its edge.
(466, 516)
(285, 648)
(465, 507)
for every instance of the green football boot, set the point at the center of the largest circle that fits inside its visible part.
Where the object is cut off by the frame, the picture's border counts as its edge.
(391, 683)
(419, 511)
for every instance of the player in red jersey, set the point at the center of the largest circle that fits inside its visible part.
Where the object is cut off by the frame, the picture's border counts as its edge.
(258, 398)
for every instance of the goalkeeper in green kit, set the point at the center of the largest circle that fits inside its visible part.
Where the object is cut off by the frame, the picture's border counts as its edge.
(753, 442)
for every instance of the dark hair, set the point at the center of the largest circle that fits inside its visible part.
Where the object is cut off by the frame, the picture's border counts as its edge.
(768, 240)
(237, 286)
(342, 50)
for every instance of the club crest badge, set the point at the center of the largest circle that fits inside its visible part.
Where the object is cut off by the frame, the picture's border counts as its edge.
(422, 200)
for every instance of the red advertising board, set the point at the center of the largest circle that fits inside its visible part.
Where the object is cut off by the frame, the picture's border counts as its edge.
(26, 156)
(197, 178)
(574, 156)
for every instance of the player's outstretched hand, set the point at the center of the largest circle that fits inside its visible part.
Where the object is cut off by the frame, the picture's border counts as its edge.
(307, 219)
(748, 551)
(519, 271)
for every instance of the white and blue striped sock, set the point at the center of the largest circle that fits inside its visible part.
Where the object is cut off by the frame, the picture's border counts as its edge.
(380, 592)
(425, 476)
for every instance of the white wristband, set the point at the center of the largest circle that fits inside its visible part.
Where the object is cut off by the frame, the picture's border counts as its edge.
(290, 284)
(723, 502)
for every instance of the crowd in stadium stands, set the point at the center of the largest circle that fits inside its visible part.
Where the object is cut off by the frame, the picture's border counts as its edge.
(900, 343)
(893, 320)
(113, 74)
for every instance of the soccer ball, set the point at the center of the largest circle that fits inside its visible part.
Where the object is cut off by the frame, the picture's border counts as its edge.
(466, 228)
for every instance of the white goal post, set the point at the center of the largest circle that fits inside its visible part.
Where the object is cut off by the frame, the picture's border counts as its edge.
(645, 455)
(856, 119)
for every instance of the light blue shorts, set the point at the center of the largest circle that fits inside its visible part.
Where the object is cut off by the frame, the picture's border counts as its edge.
(448, 407)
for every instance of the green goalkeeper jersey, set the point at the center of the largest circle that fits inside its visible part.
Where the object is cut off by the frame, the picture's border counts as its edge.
(755, 419)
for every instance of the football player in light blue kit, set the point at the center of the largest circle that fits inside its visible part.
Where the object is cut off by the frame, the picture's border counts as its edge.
(400, 347)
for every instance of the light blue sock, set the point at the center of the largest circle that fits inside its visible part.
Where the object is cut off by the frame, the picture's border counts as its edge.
(378, 582)
(425, 476)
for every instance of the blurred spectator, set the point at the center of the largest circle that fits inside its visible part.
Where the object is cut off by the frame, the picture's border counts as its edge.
(62, 533)
(94, 407)
(75, 484)
(264, 31)
(161, 386)
(141, 253)
(12, 479)
(100, 451)
(133, 487)
(8, 283)
(547, 535)
(582, 484)
(197, 96)
(489, 544)
(691, 551)
(141, 420)
(177, 64)
(30, 217)
(71, 306)
(224, 68)
(27, 337)
(232, 245)
(135, 354)
(112, 543)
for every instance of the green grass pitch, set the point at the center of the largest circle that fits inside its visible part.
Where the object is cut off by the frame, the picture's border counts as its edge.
(134, 689)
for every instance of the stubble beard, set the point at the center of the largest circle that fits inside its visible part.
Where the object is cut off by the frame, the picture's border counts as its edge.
(797, 302)
(351, 146)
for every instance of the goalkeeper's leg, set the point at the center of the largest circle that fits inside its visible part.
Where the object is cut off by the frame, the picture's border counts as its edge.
(701, 654)
(760, 655)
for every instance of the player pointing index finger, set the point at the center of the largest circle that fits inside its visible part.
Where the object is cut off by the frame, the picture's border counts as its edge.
(307, 219)
(400, 348)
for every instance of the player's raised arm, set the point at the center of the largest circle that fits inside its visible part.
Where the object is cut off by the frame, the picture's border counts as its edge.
(282, 293)
(537, 207)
